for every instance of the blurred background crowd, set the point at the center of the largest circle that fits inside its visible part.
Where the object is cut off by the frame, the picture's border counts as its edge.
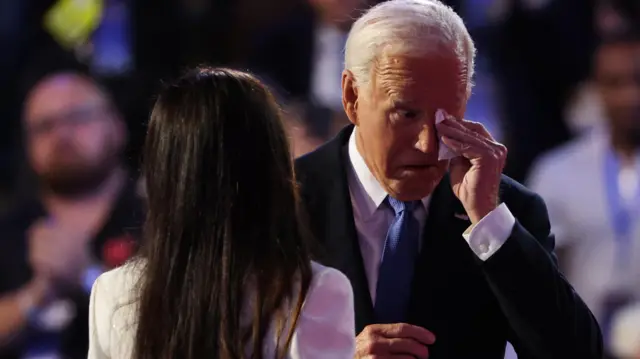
(558, 82)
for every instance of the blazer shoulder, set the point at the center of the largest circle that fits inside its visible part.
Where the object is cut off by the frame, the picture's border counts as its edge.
(112, 309)
(322, 273)
(115, 291)
(119, 282)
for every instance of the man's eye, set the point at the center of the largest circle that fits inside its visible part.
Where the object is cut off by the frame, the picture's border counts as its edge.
(408, 114)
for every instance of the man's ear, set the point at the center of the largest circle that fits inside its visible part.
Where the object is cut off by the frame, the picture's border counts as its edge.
(350, 96)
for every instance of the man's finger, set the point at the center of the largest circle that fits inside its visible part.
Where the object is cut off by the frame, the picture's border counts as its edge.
(463, 135)
(467, 151)
(403, 330)
(478, 128)
(475, 127)
(408, 346)
(379, 346)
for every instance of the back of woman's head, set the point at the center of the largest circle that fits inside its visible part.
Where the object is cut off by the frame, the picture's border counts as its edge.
(223, 226)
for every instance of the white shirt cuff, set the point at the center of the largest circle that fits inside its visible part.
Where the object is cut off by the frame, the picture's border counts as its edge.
(488, 235)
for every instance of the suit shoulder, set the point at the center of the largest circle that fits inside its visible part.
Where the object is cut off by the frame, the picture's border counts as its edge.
(516, 194)
(527, 207)
(326, 156)
(315, 169)
(511, 186)
(312, 161)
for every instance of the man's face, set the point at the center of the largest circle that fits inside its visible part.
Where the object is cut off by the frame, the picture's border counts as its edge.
(73, 136)
(617, 75)
(395, 118)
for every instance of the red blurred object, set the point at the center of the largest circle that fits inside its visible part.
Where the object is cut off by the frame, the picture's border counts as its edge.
(117, 250)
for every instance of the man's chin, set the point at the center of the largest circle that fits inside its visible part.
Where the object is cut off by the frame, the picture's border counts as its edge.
(74, 184)
(418, 171)
(415, 184)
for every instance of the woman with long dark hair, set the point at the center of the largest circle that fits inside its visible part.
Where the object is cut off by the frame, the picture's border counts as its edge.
(224, 271)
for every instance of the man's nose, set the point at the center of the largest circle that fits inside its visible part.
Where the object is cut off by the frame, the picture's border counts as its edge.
(62, 130)
(426, 139)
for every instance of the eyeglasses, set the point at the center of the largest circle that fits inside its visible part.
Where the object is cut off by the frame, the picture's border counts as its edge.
(75, 117)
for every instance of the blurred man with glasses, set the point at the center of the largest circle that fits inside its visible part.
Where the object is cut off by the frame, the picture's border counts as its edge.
(81, 219)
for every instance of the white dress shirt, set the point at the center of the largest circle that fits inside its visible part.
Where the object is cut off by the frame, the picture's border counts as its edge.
(373, 220)
(324, 330)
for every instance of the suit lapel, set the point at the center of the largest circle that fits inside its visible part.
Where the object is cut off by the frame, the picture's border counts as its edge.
(340, 236)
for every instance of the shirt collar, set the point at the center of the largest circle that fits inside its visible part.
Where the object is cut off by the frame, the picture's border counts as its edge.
(369, 185)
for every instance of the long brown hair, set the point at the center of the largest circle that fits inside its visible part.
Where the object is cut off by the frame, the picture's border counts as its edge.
(223, 226)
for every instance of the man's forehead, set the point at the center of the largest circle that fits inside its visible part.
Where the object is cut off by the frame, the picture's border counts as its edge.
(410, 79)
(61, 92)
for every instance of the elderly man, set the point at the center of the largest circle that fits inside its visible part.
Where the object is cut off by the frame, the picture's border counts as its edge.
(448, 259)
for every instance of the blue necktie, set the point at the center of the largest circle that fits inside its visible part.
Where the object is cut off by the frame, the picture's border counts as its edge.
(398, 261)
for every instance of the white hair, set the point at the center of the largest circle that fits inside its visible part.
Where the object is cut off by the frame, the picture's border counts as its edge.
(407, 27)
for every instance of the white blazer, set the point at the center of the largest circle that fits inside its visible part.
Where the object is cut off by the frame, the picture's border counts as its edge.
(325, 329)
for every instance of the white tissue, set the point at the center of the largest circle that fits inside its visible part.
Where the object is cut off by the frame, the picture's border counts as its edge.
(444, 152)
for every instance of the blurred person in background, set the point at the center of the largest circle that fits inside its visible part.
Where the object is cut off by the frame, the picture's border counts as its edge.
(584, 109)
(625, 332)
(81, 220)
(303, 56)
(310, 126)
(627, 13)
(225, 269)
(539, 52)
(128, 45)
(592, 187)
(302, 137)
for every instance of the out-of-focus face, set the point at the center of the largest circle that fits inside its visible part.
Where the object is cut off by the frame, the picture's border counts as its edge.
(301, 138)
(73, 136)
(395, 119)
(617, 76)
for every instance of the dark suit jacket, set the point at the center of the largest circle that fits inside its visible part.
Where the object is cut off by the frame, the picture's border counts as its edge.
(473, 307)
